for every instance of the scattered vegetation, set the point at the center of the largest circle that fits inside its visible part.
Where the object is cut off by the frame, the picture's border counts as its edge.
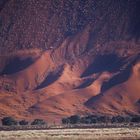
(38, 122)
(135, 119)
(23, 122)
(8, 121)
(92, 119)
(72, 120)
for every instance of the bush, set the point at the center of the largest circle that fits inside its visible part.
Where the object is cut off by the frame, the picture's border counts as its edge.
(135, 119)
(9, 121)
(38, 122)
(92, 119)
(88, 119)
(102, 119)
(118, 119)
(85, 120)
(74, 119)
(23, 122)
(65, 121)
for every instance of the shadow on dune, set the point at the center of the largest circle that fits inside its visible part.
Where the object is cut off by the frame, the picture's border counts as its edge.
(122, 77)
(118, 79)
(51, 77)
(93, 99)
(101, 63)
(109, 62)
(16, 64)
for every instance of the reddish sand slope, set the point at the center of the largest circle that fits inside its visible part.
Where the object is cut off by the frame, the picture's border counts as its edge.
(50, 88)
(121, 99)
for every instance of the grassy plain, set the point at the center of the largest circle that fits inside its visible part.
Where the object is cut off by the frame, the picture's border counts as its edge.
(73, 134)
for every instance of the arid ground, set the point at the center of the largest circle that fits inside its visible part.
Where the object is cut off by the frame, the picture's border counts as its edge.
(74, 134)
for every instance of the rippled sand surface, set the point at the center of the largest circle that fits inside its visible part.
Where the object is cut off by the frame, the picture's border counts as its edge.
(73, 134)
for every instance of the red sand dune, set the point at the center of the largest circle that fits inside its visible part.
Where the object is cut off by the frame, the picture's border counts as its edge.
(51, 89)
(63, 58)
(122, 99)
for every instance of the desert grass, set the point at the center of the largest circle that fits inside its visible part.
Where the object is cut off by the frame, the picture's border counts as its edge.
(73, 134)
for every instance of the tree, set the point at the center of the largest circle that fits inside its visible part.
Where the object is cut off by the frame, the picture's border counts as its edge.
(93, 119)
(38, 122)
(74, 119)
(65, 121)
(88, 119)
(9, 121)
(103, 119)
(135, 119)
(118, 119)
(23, 122)
(85, 120)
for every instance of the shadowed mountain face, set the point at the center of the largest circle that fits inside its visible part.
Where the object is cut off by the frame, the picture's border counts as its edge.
(65, 57)
(3, 3)
(45, 24)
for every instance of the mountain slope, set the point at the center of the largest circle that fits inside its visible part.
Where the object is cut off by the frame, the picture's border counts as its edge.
(121, 99)
(65, 57)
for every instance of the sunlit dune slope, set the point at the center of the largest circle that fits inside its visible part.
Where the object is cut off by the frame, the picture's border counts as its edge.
(122, 99)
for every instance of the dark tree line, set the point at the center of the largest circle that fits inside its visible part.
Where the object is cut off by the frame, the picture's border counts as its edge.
(92, 119)
(75, 119)
(9, 121)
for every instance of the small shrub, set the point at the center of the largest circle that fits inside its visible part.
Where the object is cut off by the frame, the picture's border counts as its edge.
(38, 122)
(135, 119)
(74, 119)
(118, 119)
(23, 122)
(65, 121)
(85, 120)
(9, 121)
(88, 119)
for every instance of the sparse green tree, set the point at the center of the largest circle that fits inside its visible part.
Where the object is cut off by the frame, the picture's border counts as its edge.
(135, 119)
(65, 121)
(38, 122)
(118, 119)
(74, 119)
(9, 121)
(23, 122)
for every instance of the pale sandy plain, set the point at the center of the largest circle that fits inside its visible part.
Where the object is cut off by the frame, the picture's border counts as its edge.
(73, 134)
